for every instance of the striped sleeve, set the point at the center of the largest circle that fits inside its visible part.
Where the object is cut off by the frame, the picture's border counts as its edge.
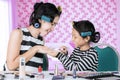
(84, 62)
(66, 61)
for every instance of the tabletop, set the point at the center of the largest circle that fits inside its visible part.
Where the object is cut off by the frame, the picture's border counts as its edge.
(44, 75)
(48, 75)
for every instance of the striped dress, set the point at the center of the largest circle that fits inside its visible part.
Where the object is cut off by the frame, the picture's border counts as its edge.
(38, 59)
(81, 60)
(29, 41)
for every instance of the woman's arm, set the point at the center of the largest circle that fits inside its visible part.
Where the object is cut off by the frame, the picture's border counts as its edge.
(13, 51)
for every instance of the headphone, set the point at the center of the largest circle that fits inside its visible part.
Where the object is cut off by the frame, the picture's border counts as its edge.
(37, 24)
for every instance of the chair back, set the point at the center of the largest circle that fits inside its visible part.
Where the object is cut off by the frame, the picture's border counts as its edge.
(107, 58)
(45, 62)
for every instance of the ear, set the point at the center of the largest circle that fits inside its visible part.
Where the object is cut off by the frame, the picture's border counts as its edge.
(87, 39)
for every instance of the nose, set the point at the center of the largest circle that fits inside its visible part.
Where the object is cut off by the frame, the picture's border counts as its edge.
(49, 30)
(52, 29)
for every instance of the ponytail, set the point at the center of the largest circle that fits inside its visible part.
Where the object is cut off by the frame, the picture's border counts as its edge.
(95, 37)
(37, 5)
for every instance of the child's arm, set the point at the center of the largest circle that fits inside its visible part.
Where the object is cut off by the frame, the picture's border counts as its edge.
(81, 62)
(66, 61)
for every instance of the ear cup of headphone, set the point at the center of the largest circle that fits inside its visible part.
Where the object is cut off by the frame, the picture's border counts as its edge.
(36, 24)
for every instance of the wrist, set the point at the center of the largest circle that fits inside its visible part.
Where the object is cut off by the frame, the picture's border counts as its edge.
(35, 49)
(57, 54)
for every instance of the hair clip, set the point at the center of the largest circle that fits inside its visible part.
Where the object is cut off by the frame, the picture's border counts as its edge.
(59, 9)
(46, 18)
(72, 23)
(83, 34)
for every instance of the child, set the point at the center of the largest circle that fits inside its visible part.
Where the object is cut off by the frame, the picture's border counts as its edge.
(83, 57)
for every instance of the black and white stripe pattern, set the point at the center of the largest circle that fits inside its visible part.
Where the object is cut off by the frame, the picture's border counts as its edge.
(82, 60)
(29, 41)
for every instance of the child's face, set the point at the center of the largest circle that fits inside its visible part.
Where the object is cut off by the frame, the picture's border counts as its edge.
(77, 39)
(47, 27)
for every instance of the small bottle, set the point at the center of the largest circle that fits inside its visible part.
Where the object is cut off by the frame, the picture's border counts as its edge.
(22, 69)
(56, 70)
(74, 72)
(39, 69)
(39, 75)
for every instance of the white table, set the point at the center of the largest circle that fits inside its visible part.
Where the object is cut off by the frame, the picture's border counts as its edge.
(47, 76)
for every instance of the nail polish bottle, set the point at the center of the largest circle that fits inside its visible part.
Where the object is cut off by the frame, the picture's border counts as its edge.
(56, 70)
(74, 72)
(22, 69)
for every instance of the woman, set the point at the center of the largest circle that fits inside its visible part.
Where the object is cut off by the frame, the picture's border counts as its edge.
(25, 42)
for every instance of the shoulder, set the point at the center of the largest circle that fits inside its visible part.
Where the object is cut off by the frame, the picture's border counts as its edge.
(92, 51)
(17, 33)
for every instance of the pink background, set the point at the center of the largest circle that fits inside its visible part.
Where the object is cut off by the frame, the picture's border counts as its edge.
(105, 15)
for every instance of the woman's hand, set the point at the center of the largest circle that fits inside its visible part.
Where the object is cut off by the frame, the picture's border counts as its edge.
(47, 50)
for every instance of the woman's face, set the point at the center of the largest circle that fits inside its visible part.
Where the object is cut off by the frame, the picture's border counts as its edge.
(47, 27)
(77, 39)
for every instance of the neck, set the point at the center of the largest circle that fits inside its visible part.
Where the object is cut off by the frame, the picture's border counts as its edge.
(85, 47)
(34, 32)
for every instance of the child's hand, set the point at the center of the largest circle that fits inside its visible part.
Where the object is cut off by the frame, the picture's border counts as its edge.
(63, 49)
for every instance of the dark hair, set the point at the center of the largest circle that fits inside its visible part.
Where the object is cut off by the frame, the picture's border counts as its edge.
(46, 9)
(86, 26)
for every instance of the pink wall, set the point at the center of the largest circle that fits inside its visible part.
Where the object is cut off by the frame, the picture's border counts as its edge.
(118, 25)
(101, 12)
(14, 15)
